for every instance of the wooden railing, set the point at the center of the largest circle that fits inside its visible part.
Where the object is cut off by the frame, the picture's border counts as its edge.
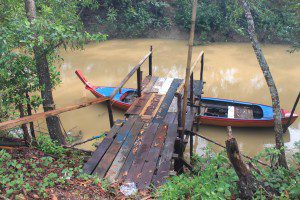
(137, 69)
(24, 120)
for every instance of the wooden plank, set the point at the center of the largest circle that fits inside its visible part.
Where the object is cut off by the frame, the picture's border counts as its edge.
(163, 110)
(153, 107)
(190, 116)
(133, 152)
(147, 104)
(146, 81)
(117, 89)
(173, 106)
(166, 156)
(152, 157)
(158, 84)
(91, 164)
(117, 164)
(138, 104)
(111, 153)
(141, 153)
(35, 117)
(170, 117)
(165, 86)
(148, 88)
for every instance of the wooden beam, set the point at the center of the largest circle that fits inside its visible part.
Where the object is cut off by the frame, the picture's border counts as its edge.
(189, 60)
(113, 94)
(150, 61)
(34, 117)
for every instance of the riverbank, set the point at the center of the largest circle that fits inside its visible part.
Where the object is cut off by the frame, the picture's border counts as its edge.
(217, 21)
(52, 172)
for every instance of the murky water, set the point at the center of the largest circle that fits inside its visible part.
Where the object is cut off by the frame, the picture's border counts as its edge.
(231, 71)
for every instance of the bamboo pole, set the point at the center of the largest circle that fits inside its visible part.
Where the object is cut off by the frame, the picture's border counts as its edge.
(189, 60)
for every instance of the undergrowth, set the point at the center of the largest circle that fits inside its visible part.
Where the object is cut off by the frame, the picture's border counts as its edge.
(214, 178)
(46, 171)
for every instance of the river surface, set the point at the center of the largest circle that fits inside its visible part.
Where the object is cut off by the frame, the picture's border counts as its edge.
(231, 72)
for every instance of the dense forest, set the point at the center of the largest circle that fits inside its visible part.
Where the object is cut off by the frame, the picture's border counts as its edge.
(222, 20)
(43, 165)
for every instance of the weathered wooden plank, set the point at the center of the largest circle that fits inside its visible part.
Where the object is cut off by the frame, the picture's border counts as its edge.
(138, 104)
(111, 153)
(133, 152)
(141, 153)
(190, 118)
(91, 164)
(170, 117)
(165, 161)
(154, 105)
(173, 106)
(163, 109)
(165, 86)
(148, 88)
(150, 100)
(152, 157)
(158, 84)
(123, 152)
(146, 81)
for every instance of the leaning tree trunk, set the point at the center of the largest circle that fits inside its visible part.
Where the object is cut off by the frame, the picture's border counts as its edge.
(43, 72)
(26, 135)
(270, 82)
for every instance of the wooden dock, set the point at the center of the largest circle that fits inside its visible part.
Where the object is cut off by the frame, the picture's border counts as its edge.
(141, 148)
(151, 140)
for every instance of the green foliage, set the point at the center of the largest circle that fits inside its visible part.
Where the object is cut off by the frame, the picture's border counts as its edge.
(133, 18)
(45, 144)
(34, 173)
(275, 21)
(214, 178)
(23, 44)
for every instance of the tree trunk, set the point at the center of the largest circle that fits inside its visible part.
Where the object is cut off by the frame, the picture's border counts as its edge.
(42, 67)
(247, 183)
(29, 112)
(24, 127)
(270, 82)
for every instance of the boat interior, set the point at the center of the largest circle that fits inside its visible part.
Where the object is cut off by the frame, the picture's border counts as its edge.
(230, 110)
(129, 96)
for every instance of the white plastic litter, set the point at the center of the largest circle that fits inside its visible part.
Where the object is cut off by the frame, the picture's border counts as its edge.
(128, 188)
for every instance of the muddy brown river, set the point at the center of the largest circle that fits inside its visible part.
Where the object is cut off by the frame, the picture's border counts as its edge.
(231, 72)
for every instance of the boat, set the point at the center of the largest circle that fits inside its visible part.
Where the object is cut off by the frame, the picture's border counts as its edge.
(214, 111)
(223, 112)
(122, 100)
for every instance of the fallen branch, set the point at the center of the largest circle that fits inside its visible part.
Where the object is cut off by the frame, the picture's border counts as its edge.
(88, 140)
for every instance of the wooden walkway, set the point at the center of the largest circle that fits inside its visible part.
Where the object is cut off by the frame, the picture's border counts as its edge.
(140, 149)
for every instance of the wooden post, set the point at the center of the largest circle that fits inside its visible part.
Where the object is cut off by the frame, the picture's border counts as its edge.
(191, 146)
(179, 110)
(110, 113)
(292, 113)
(202, 67)
(192, 90)
(139, 82)
(150, 61)
(189, 60)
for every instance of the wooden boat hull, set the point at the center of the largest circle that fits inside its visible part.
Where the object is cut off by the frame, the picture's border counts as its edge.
(99, 91)
(267, 119)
